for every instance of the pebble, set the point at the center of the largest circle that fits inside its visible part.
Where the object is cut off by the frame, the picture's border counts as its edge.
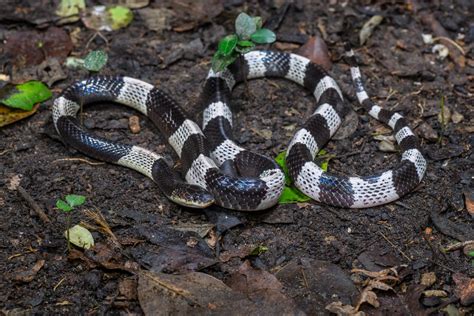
(134, 124)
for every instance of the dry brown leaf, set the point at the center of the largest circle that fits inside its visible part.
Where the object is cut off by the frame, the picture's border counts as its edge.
(368, 296)
(343, 310)
(315, 49)
(9, 115)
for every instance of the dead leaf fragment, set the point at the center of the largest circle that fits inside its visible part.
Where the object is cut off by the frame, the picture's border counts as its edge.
(31, 47)
(457, 117)
(428, 279)
(28, 275)
(198, 293)
(343, 310)
(464, 288)
(368, 28)
(157, 19)
(315, 49)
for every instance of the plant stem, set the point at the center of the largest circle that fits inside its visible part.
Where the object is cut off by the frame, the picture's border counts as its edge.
(68, 223)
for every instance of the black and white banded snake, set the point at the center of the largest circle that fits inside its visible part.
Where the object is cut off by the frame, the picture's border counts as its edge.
(215, 168)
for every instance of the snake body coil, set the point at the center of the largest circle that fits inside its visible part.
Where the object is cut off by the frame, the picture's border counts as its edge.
(218, 170)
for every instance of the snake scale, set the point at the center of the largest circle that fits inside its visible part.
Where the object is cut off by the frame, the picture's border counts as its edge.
(215, 168)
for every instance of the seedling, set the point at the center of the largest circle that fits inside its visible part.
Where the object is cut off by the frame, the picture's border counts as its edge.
(72, 201)
(248, 33)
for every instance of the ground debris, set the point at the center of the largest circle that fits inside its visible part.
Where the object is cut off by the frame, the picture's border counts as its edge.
(464, 288)
(199, 293)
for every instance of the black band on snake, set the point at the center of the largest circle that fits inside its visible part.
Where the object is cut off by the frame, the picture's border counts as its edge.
(216, 170)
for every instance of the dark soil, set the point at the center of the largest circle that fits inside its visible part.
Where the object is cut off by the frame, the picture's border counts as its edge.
(401, 74)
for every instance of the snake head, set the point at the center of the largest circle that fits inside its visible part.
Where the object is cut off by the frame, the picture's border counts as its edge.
(190, 195)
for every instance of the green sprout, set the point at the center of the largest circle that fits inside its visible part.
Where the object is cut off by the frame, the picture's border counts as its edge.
(257, 251)
(72, 201)
(248, 33)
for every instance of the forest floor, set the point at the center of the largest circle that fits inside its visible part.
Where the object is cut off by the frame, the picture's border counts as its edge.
(310, 258)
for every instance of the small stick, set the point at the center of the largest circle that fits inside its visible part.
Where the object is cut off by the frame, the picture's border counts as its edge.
(458, 245)
(81, 160)
(25, 195)
(395, 246)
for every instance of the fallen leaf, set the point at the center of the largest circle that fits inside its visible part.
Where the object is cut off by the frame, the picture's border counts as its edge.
(9, 115)
(27, 48)
(69, 10)
(464, 288)
(316, 284)
(191, 13)
(368, 296)
(315, 49)
(241, 251)
(197, 294)
(201, 229)
(157, 19)
(343, 310)
(28, 275)
(24, 96)
(80, 237)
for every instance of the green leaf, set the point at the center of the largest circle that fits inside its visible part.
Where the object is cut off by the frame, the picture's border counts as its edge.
(80, 237)
(245, 44)
(120, 17)
(75, 200)
(258, 250)
(245, 26)
(95, 60)
(227, 44)
(471, 253)
(63, 206)
(220, 62)
(292, 195)
(280, 160)
(24, 96)
(263, 36)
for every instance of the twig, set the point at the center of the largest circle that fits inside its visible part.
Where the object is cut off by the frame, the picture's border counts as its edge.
(444, 38)
(394, 246)
(104, 227)
(25, 195)
(81, 160)
(458, 245)
(59, 283)
(4, 152)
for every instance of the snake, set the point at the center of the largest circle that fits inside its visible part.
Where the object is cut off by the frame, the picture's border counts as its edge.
(217, 170)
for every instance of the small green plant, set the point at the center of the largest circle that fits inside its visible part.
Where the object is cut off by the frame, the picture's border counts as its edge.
(94, 61)
(257, 251)
(72, 201)
(248, 33)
